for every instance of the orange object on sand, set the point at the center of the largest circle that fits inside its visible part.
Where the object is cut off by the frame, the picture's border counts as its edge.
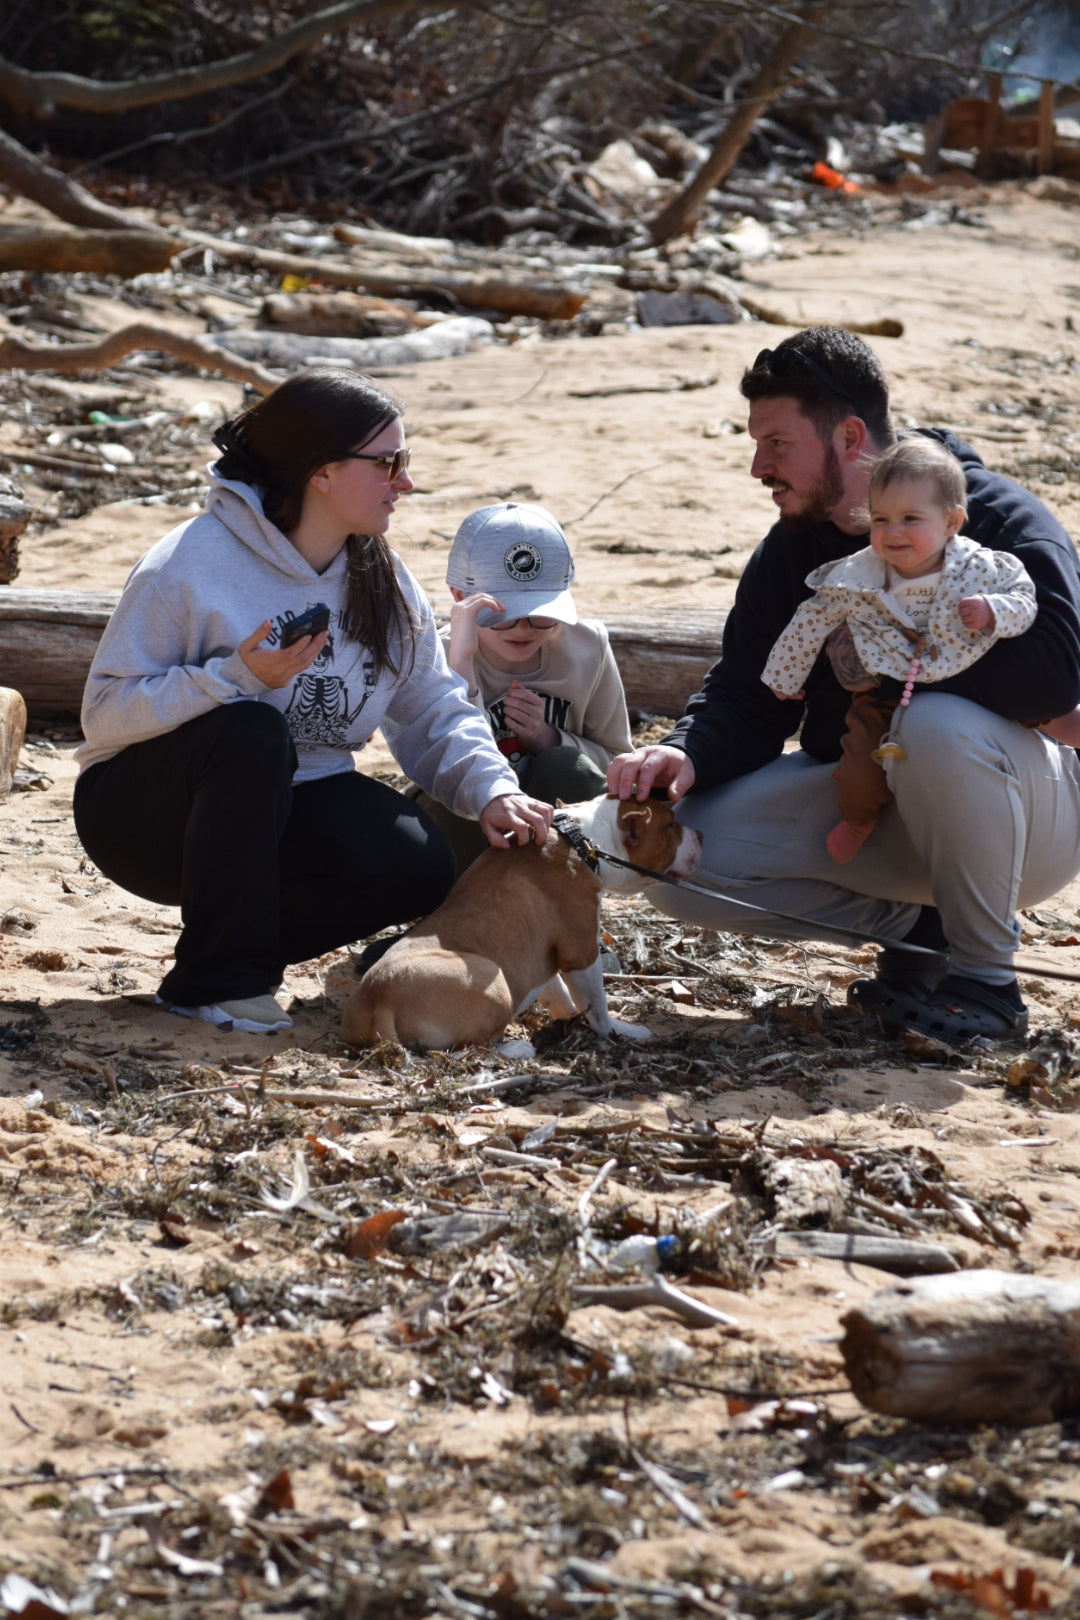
(825, 175)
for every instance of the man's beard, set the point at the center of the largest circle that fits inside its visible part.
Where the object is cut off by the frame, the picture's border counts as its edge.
(821, 500)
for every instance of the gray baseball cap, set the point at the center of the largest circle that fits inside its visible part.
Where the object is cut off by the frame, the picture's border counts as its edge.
(519, 554)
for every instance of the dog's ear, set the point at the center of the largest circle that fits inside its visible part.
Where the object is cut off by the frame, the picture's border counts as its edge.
(560, 804)
(628, 819)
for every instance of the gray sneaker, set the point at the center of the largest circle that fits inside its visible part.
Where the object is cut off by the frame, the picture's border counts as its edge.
(258, 1015)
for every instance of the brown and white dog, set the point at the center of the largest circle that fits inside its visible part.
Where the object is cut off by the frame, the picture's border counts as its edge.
(520, 925)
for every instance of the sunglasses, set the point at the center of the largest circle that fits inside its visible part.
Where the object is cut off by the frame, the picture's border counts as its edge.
(781, 363)
(394, 464)
(489, 619)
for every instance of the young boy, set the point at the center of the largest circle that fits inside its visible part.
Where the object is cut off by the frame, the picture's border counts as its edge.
(547, 681)
(922, 602)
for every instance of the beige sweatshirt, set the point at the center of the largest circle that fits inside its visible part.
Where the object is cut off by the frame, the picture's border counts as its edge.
(582, 691)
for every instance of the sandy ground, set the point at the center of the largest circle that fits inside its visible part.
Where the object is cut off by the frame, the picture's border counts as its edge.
(212, 1405)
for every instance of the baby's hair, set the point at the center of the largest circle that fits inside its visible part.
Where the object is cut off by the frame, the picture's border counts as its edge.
(919, 457)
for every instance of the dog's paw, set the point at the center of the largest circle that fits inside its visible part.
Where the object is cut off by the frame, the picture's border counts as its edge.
(516, 1049)
(630, 1032)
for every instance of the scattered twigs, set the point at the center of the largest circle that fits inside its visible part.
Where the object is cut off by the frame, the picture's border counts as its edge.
(679, 386)
(593, 1188)
(327, 1099)
(663, 1482)
(638, 472)
(95, 1066)
(521, 1161)
(593, 1577)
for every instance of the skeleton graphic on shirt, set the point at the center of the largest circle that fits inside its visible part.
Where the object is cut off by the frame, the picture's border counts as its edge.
(319, 709)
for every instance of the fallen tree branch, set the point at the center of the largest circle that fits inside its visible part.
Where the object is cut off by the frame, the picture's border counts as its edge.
(681, 214)
(39, 94)
(33, 178)
(774, 317)
(194, 351)
(105, 250)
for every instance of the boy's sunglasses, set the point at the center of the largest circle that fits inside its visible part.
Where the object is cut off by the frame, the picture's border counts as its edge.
(489, 619)
(395, 464)
(780, 363)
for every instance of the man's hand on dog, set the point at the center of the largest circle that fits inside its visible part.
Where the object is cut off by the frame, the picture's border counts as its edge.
(635, 775)
(514, 818)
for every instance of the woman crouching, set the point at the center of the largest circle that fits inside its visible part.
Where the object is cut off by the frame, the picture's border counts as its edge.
(224, 704)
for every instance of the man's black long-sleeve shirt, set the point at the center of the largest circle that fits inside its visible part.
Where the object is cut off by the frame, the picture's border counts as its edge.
(734, 724)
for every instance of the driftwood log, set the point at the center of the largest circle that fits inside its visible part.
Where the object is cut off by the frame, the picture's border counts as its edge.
(339, 314)
(291, 350)
(111, 252)
(664, 656)
(65, 358)
(12, 732)
(48, 639)
(47, 642)
(485, 289)
(904, 1257)
(973, 1347)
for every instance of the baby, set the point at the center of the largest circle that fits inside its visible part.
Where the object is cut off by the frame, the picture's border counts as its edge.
(922, 603)
(546, 679)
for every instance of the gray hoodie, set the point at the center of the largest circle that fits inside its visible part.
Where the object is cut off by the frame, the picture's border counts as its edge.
(169, 654)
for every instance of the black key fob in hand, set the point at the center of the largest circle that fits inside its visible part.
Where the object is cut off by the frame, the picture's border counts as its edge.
(311, 623)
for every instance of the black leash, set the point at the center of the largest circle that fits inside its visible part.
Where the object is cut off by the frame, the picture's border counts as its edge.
(574, 834)
(596, 854)
(592, 854)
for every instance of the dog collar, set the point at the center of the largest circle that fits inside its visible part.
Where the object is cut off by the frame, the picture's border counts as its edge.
(570, 829)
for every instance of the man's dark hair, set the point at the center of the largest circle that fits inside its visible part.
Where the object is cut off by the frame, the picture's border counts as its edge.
(832, 374)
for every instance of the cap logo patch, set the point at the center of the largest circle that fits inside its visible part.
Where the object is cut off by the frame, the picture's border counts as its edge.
(523, 562)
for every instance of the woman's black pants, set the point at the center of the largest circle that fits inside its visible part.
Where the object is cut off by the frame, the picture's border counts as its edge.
(265, 872)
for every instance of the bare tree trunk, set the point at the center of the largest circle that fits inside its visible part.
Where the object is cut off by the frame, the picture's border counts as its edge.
(40, 94)
(65, 358)
(65, 198)
(109, 252)
(682, 212)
